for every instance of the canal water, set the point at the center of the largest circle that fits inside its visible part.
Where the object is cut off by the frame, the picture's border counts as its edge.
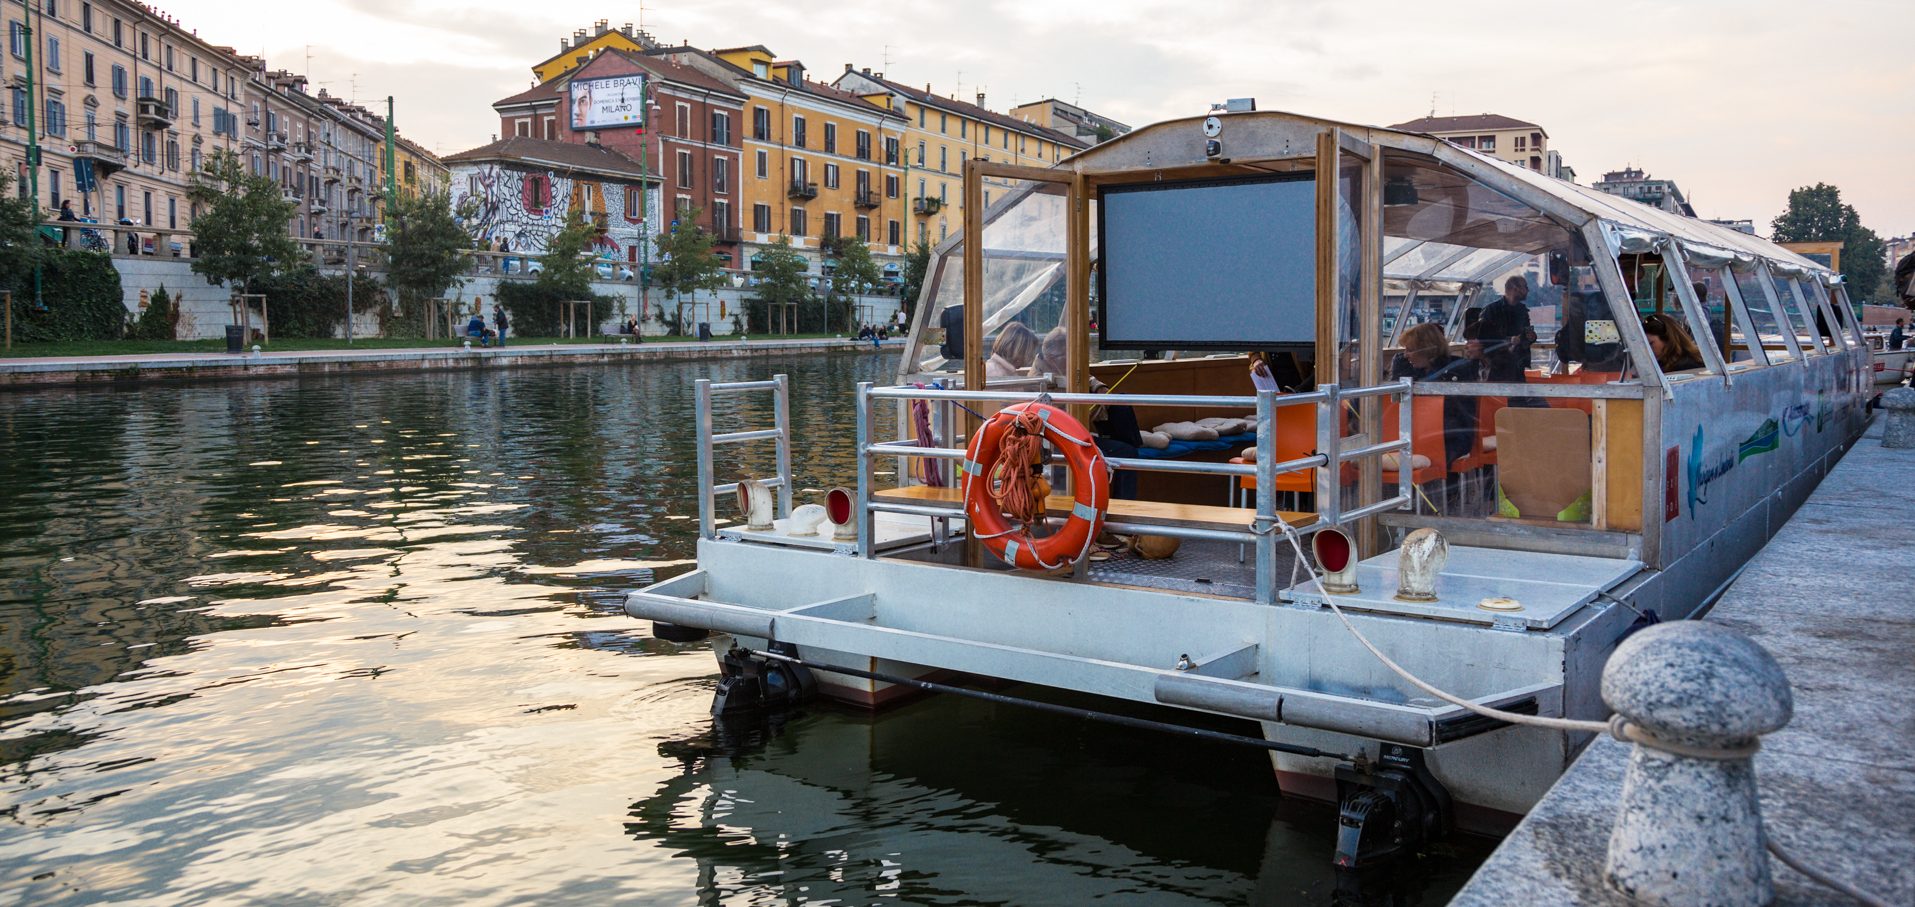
(360, 640)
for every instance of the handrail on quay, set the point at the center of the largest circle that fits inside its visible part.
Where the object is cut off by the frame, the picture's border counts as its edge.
(1262, 532)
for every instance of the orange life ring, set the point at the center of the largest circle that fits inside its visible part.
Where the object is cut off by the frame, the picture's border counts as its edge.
(1011, 541)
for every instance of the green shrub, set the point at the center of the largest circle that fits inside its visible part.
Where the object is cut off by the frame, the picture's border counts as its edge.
(82, 295)
(159, 320)
(535, 311)
(305, 303)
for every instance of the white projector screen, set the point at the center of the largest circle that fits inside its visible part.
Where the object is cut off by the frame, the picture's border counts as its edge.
(1213, 264)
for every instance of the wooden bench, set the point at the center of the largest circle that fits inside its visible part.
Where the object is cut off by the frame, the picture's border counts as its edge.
(1203, 516)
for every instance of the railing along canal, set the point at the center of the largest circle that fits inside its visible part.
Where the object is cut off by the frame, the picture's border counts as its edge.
(703, 391)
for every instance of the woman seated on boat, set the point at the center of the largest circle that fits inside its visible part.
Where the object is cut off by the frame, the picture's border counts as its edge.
(1114, 427)
(1014, 351)
(1426, 357)
(1674, 350)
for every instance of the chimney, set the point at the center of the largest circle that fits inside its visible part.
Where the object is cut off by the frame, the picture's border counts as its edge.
(867, 70)
(564, 45)
(602, 26)
(848, 67)
(980, 99)
(627, 29)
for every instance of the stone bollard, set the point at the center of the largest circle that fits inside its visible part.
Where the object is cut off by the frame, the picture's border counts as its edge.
(1899, 428)
(1689, 829)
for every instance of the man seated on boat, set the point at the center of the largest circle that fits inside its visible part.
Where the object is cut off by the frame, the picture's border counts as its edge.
(1675, 351)
(1426, 357)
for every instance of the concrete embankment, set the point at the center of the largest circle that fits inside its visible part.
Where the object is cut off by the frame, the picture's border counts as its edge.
(94, 370)
(1830, 598)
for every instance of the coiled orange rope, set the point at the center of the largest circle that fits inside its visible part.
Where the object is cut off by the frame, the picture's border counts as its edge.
(1012, 484)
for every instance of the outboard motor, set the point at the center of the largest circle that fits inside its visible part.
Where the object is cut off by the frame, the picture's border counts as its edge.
(1389, 808)
(748, 682)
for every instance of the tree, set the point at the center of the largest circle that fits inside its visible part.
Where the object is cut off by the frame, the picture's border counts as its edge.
(240, 234)
(425, 246)
(20, 247)
(566, 269)
(686, 261)
(915, 267)
(1816, 214)
(855, 273)
(781, 283)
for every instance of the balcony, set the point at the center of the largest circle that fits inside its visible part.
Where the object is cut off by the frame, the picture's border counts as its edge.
(725, 233)
(276, 141)
(153, 113)
(300, 152)
(865, 199)
(319, 206)
(107, 158)
(925, 207)
(802, 189)
(332, 173)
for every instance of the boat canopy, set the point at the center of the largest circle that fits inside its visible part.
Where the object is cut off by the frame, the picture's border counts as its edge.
(1455, 222)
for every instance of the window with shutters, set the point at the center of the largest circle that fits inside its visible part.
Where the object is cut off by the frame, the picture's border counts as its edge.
(761, 124)
(863, 145)
(684, 170)
(764, 164)
(720, 174)
(890, 185)
(831, 225)
(798, 132)
(831, 176)
(536, 193)
(864, 228)
(831, 138)
(891, 232)
(761, 218)
(684, 120)
(891, 151)
(720, 128)
(797, 222)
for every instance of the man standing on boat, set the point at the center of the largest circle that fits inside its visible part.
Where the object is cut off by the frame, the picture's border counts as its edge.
(1895, 337)
(1506, 333)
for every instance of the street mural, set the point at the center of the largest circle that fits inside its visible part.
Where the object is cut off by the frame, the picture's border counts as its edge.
(495, 195)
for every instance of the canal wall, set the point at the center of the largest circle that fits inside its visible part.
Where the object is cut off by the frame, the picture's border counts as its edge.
(205, 308)
(55, 371)
(1829, 598)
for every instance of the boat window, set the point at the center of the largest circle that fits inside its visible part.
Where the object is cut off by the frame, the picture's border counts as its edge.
(1024, 239)
(1838, 300)
(1828, 327)
(1748, 284)
(1798, 320)
(1729, 328)
(1349, 298)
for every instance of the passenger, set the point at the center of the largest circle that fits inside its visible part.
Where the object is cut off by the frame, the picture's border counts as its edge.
(1572, 340)
(1507, 332)
(1012, 353)
(1053, 358)
(1895, 337)
(1675, 351)
(475, 329)
(1426, 357)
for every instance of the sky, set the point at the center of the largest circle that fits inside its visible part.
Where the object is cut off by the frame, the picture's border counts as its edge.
(1738, 101)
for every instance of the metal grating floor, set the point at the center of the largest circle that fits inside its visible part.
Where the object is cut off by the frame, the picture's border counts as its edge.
(1204, 567)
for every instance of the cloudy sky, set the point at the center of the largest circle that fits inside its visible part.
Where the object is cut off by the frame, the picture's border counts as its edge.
(1737, 100)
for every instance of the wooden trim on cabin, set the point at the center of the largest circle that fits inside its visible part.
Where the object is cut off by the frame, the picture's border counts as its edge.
(1369, 352)
(1326, 327)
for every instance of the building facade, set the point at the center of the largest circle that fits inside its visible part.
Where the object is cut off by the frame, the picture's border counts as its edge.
(1633, 183)
(1519, 142)
(585, 44)
(940, 133)
(1070, 119)
(129, 104)
(420, 170)
(126, 104)
(519, 191)
(690, 140)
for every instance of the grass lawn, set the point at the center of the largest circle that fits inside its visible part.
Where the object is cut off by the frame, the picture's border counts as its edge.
(126, 347)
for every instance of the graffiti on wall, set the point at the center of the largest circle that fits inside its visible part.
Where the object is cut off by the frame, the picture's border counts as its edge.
(494, 199)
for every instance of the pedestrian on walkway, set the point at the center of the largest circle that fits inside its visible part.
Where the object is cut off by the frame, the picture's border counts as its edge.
(499, 320)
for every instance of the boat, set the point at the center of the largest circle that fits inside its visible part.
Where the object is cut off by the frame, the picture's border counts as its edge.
(1494, 538)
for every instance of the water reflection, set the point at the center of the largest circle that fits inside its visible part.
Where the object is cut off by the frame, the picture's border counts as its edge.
(362, 640)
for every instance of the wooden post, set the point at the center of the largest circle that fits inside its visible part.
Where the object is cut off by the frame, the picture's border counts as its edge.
(1369, 532)
(973, 280)
(1326, 366)
(1077, 292)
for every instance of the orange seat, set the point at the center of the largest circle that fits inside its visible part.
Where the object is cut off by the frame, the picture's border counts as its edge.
(1481, 455)
(1426, 438)
(1296, 439)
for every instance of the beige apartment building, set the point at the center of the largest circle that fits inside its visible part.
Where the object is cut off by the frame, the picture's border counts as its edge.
(131, 102)
(130, 96)
(1519, 142)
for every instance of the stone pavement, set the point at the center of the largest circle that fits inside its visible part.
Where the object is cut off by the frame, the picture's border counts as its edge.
(1831, 598)
(83, 370)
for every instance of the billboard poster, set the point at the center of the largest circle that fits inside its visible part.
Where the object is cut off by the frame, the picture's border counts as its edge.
(608, 102)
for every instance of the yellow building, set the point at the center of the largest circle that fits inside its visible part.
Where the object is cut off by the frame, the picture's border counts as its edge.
(419, 170)
(940, 133)
(818, 163)
(585, 44)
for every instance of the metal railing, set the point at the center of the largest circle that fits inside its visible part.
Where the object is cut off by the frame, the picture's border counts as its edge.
(1263, 528)
(703, 389)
